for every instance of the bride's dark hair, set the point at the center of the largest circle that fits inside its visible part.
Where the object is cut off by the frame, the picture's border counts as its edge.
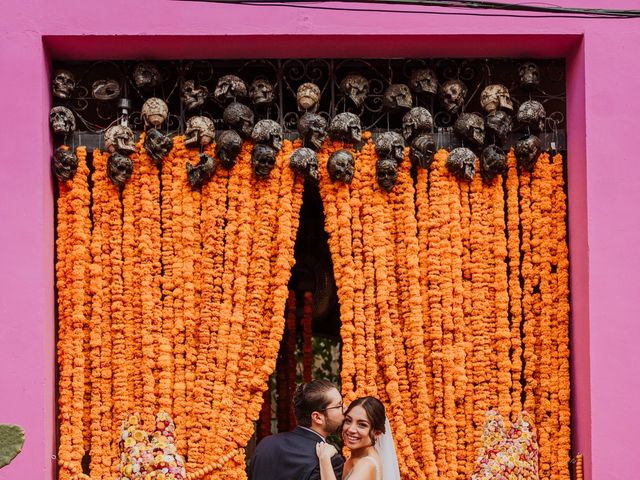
(375, 414)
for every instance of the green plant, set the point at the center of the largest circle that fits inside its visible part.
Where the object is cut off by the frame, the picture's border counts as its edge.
(11, 441)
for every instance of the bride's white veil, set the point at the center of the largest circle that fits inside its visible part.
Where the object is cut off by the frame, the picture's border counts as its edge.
(387, 451)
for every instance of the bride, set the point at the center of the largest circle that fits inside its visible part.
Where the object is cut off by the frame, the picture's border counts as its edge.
(366, 433)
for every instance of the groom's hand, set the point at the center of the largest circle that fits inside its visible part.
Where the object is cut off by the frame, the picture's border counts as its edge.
(325, 451)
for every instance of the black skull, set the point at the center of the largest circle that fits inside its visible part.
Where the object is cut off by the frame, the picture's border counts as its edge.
(62, 120)
(341, 166)
(424, 81)
(346, 126)
(64, 164)
(263, 159)
(229, 89)
(313, 129)
(423, 148)
(268, 132)
(305, 162)
(493, 162)
(452, 95)
(532, 115)
(416, 121)
(356, 88)
(529, 75)
(386, 173)
(63, 84)
(146, 76)
(228, 148)
(240, 118)
(527, 151)
(157, 145)
(462, 163)
(193, 96)
(119, 169)
(390, 145)
(261, 92)
(470, 126)
(202, 172)
(105, 89)
(498, 125)
(397, 97)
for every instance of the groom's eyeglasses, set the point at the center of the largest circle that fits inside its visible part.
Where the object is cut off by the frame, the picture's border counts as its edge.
(340, 406)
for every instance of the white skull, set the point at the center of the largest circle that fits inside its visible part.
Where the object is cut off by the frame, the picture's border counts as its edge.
(62, 120)
(199, 131)
(154, 112)
(308, 97)
(119, 139)
(496, 97)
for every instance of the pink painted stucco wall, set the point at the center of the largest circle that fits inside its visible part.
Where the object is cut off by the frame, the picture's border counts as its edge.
(604, 174)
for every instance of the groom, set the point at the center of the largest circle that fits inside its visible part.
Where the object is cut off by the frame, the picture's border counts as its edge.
(292, 455)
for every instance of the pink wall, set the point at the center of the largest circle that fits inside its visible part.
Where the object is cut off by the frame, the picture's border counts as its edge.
(604, 176)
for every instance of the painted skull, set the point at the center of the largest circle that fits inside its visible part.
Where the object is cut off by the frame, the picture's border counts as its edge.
(498, 125)
(462, 163)
(452, 95)
(397, 96)
(193, 96)
(228, 148)
(308, 97)
(240, 118)
(416, 121)
(119, 168)
(496, 97)
(529, 75)
(64, 164)
(424, 81)
(346, 126)
(390, 145)
(356, 88)
(263, 159)
(493, 162)
(532, 114)
(386, 173)
(341, 166)
(305, 162)
(62, 120)
(201, 173)
(154, 112)
(527, 151)
(423, 148)
(261, 92)
(157, 145)
(313, 129)
(63, 84)
(268, 132)
(470, 126)
(105, 89)
(146, 76)
(199, 131)
(119, 139)
(229, 88)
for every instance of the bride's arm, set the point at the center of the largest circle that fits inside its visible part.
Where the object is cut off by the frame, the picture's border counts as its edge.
(325, 451)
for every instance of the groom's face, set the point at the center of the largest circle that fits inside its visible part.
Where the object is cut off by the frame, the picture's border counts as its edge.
(332, 414)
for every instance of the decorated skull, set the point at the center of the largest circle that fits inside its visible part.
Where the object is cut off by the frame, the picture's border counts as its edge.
(229, 89)
(416, 121)
(470, 126)
(313, 129)
(193, 96)
(462, 163)
(268, 132)
(62, 120)
(308, 97)
(498, 125)
(424, 81)
(154, 112)
(119, 168)
(386, 173)
(493, 162)
(64, 164)
(423, 148)
(529, 75)
(119, 138)
(228, 148)
(452, 95)
(261, 92)
(105, 89)
(201, 173)
(63, 84)
(356, 88)
(496, 97)
(341, 166)
(240, 118)
(263, 159)
(532, 114)
(199, 131)
(146, 76)
(157, 145)
(390, 145)
(346, 126)
(527, 151)
(397, 96)
(305, 162)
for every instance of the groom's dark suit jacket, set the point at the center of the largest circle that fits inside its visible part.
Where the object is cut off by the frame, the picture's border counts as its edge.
(290, 456)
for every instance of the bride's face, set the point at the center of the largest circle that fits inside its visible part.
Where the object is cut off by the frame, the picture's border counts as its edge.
(356, 429)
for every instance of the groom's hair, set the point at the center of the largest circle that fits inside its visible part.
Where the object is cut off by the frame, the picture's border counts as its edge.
(310, 397)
